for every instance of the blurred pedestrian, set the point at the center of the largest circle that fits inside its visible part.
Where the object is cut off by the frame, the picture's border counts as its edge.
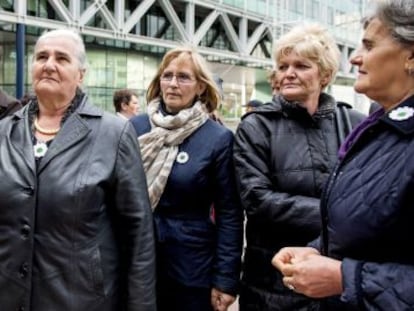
(126, 103)
(8, 104)
(252, 105)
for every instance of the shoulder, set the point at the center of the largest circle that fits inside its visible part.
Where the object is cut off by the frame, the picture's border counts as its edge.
(212, 130)
(8, 104)
(354, 115)
(141, 123)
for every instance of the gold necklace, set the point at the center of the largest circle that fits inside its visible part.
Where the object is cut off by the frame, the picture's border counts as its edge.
(43, 130)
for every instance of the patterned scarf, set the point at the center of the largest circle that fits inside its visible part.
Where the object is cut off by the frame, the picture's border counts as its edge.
(159, 147)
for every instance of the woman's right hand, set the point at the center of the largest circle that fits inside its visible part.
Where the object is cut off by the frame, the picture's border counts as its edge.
(291, 255)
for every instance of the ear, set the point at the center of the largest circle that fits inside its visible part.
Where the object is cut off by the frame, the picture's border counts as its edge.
(124, 106)
(409, 63)
(325, 79)
(81, 75)
(201, 88)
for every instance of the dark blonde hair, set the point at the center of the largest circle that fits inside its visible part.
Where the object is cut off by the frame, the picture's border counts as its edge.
(313, 42)
(210, 97)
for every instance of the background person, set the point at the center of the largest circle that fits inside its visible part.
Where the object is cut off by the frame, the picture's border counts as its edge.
(283, 154)
(188, 161)
(126, 103)
(8, 104)
(252, 104)
(364, 260)
(74, 210)
(274, 83)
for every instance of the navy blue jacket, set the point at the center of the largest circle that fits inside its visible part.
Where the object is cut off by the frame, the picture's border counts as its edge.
(368, 213)
(193, 248)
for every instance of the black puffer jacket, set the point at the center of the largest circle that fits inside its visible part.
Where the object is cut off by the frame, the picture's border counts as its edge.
(283, 157)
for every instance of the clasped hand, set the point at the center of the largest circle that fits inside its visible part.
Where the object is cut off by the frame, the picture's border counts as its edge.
(307, 272)
(220, 300)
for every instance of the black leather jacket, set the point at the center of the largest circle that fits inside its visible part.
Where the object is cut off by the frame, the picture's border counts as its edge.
(76, 231)
(283, 157)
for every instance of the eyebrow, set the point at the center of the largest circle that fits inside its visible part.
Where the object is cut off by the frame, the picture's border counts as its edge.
(366, 41)
(58, 53)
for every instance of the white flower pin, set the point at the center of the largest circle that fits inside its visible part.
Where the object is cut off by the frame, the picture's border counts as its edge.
(401, 113)
(40, 149)
(182, 157)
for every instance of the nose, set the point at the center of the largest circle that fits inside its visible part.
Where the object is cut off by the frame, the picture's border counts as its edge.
(49, 65)
(173, 81)
(356, 57)
(290, 72)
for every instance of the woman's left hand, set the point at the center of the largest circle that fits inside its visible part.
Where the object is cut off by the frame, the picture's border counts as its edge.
(221, 301)
(315, 276)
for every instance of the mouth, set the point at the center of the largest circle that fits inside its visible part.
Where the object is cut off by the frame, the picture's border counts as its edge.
(172, 95)
(289, 85)
(49, 79)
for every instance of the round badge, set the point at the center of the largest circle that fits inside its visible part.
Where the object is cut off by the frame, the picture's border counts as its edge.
(39, 149)
(401, 113)
(182, 157)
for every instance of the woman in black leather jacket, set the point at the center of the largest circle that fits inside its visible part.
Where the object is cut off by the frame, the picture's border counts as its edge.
(75, 221)
(283, 154)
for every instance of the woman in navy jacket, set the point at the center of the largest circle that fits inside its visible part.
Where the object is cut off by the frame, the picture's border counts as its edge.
(188, 162)
(365, 259)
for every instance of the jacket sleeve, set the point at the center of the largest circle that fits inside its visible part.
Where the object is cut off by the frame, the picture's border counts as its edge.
(262, 200)
(229, 219)
(377, 286)
(136, 224)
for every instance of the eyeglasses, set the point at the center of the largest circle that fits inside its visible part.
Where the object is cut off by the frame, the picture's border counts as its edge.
(182, 78)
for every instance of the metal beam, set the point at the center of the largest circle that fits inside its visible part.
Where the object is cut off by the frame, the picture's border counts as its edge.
(173, 18)
(143, 7)
(89, 13)
(255, 37)
(205, 26)
(231, 33)
(62, 10)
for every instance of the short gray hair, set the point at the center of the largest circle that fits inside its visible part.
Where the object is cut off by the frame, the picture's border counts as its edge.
(80, 53)
(397, 16)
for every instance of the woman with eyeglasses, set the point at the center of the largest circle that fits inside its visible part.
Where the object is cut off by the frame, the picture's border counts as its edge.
(188, 162)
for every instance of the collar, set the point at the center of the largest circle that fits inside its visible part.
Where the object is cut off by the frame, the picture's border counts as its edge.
(401, 117)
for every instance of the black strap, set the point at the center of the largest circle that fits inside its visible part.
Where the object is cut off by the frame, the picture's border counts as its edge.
(343, 122)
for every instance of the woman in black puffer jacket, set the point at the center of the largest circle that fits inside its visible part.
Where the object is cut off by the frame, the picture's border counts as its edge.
(284, 152)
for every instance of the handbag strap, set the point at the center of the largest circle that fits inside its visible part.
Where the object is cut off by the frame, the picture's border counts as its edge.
(343, 121)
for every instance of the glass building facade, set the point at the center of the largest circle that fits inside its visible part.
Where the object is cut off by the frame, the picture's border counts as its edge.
(125, 40)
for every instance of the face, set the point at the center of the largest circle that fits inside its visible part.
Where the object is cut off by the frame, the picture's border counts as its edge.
(55, 71)
(382, 66)
(132, 108)
(180, 94)
(300, 80)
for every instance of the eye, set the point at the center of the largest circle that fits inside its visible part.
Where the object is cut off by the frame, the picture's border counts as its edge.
(183, 78)
(302, 66)
(63, 59)
(167, 76)
(282, 67)
(41, 56)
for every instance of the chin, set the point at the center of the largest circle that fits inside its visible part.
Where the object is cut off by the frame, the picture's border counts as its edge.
(359, 88)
